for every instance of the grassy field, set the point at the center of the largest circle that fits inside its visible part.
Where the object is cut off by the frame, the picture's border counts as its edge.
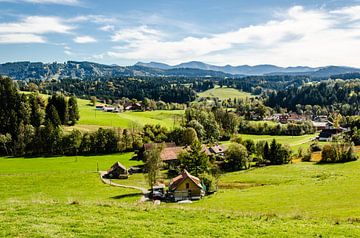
(89, 116)
(64, 197)
(224, 93)
(295, 142)
(91, 119)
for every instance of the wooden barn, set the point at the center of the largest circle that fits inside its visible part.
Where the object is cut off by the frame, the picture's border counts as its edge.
(186, 187)
(117, 171)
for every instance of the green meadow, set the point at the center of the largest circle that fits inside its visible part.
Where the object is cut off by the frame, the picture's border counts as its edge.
(224, 93)
(64, 197)
(89, 117)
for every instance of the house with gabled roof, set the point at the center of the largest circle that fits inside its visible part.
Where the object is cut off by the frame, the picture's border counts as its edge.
(117, 171)
(186, 187)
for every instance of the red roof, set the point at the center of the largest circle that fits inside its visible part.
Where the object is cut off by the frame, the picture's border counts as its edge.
(175, 182)
(170, 153)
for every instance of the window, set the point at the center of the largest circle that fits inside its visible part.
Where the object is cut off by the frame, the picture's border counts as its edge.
(187, 185)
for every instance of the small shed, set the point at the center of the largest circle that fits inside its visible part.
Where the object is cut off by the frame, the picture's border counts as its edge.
(186, 187)
(117, 171)
(217, 150)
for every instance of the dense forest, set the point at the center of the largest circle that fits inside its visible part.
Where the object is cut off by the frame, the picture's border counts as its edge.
(331, 96)
(177, 90)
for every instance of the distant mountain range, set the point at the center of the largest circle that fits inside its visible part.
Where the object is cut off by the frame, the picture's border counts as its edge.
(265, 69)
(89, 70)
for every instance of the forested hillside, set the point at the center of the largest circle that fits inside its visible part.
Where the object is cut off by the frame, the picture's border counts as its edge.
(330, 95)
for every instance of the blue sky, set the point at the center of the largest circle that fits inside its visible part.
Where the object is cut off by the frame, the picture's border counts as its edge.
(281, 32)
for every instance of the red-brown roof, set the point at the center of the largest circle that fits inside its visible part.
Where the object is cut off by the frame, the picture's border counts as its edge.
(117, 165)
(170, 153)
(175, 182)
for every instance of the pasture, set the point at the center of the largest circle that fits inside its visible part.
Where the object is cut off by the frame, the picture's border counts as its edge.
(295, 142)
(64, 197)
(92, 117)
(224, 93)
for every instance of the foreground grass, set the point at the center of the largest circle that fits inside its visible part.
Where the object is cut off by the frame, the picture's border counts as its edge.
(224, 93)
(113, 220)
(64, 197)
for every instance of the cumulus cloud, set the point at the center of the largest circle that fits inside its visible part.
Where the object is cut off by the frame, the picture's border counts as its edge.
(352, 12)
(20, 38)
(36, 25)
(84, 39)
(30, 29)
(60, 2)
(298, 36)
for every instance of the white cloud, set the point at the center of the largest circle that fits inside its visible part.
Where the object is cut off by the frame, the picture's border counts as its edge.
(60, 2)
(107, 28)
(31, 29)
(20, 38)
(299, 37)
(352, 12)
(138, 34)
(84, 39)
(36, 25)
(98, 19)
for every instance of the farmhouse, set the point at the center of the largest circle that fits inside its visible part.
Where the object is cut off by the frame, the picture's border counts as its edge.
(328, 134)
(100, 107)
(291, 117)
(131, 106)
(186, 187)
(117, 171)
(322, 125)
(217, 150)
(108, 109)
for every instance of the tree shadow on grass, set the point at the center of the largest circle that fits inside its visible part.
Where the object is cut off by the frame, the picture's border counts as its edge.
(122, 196)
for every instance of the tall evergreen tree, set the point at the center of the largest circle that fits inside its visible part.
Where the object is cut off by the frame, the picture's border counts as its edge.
(73, 111)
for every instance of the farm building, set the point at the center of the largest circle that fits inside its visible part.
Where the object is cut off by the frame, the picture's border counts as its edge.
(217, 150)
(322, 125)
(328, 134)
(131, 106)
(99, 107)
(186, 187)
(117, 171)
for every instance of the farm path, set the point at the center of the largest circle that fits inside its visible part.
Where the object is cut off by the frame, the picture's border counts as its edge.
(144, 191)
(302, 142)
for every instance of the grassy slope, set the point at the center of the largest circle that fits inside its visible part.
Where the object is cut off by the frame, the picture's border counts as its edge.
(89, 116)
(295, 142)
(224, 93)
(301, 199)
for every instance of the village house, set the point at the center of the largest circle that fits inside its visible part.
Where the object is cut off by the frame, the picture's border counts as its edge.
(170, 152)
(291, 117)
(117, 171)
(108, 109)
(131, 106)
(328, 134)
(320, 125)
(186, 187)
(99, 107)
(217, 150)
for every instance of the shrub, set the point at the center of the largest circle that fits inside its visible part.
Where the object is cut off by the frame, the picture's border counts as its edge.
(338, 153)
(315, 147)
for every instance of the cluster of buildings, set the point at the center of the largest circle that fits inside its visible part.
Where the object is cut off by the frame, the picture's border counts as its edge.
(320, 123)
(130, 106)
(182, 187)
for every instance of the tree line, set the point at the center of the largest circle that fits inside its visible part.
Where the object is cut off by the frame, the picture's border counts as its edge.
(329, 96)
(27, 120)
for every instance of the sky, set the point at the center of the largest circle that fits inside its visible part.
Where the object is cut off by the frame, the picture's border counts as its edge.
(235, 32)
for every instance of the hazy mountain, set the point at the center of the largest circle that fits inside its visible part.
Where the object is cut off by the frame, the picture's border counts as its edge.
(89, 70)
(242, 69)
(154, 65)
(334, 70)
